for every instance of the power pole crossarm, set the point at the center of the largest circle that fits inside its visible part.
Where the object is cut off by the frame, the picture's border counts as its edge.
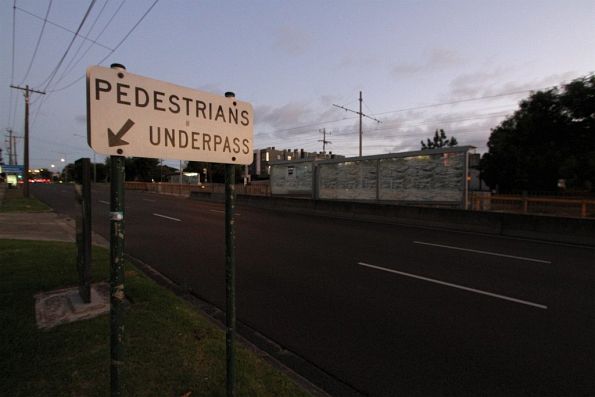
(323, 140)
(361, 115)
(353, 111)
(27, 89)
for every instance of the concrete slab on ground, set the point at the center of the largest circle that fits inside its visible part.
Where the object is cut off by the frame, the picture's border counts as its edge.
(65, 305)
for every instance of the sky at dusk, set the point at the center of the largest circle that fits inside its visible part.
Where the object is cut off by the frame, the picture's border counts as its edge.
(461, 66)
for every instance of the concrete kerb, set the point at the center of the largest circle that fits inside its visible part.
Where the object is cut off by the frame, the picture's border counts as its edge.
(536, 227)
(44, 226)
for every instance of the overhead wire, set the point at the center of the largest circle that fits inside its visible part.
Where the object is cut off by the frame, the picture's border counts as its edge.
(10, 101)
(51, 76)
(62, 27)
(416, 108)
(342, 137)
(90, 46)
(55, 71)
(459, 101)
(73, 57)
(112, 50)
(45, 20)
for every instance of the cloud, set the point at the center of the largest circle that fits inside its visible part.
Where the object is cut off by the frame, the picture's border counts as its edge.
(284, 116)
(212, 87)
(494, 82)
(81, 119)
(291, 41)
(434, 60)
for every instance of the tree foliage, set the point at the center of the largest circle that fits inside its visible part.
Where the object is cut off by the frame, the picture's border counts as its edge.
(550, 137)
(440, 140)
(215, 171)
(138, 169)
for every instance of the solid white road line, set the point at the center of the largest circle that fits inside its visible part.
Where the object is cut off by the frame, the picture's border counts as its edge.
(522, 258)
(168, 217)
(477, 291)
(104, 202)
(223, 212)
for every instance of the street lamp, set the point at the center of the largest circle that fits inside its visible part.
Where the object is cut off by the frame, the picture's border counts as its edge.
(63, 160)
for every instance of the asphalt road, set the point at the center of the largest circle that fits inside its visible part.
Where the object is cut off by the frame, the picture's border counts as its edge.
(385, 310)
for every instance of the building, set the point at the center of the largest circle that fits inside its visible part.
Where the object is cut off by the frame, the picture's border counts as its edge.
(261, 165)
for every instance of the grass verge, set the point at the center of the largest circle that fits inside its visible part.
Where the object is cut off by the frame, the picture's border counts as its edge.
(15, 202)
(171, 350)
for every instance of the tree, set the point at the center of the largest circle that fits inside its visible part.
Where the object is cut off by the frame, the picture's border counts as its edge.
(101, 170)
(141, 169)
(68, 173)
(215, 171)
(440, 140)
(550, 137)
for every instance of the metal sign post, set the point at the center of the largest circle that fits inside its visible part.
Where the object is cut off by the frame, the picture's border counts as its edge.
(131, 115)
(83, 226)
(230, 278)
(230, 275)
(117, 296)
(116, 273)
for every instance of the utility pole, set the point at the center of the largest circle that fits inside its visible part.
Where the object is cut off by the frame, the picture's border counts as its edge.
(15, 160)
(9, 146)
(26, 143)
(11, 140)
(361, 115)
(323, 140)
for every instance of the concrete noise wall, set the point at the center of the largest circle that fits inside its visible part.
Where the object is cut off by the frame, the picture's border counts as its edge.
(430, 176)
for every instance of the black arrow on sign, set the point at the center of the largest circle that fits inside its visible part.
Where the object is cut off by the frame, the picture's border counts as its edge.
(116, 139)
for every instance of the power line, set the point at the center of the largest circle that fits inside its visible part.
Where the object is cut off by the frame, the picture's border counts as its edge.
(10, 101)
(62, 27)
(415, 108)
(112, 50)
(90, 46)
(38, 41)
(343, 137)
(70, 63)
(100, 62)
(53, 74)
(14, 22)
(130, 31)
(49, 79)
(458, 101)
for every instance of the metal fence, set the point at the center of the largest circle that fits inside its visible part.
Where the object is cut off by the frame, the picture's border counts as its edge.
(478, 201)
(257, 189)
(528, 204)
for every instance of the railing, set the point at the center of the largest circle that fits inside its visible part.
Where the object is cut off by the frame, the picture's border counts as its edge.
(256, 189)
(568, 207)
(478, 201)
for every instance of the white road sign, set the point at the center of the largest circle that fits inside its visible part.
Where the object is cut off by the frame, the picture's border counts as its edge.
(131, 115)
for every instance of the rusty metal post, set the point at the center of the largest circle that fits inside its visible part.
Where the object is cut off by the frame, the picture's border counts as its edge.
(230, 276)
(83, 227)
(116, 273)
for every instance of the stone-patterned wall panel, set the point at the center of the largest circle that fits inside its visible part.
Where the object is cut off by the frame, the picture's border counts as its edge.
(437, 177)
(291, 179)
(350, 180)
